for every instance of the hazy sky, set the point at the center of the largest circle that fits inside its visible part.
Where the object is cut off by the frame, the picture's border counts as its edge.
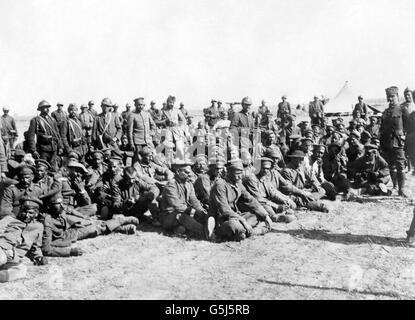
(88, 49)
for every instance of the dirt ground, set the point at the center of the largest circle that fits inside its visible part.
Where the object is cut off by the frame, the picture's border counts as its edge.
(354, 252)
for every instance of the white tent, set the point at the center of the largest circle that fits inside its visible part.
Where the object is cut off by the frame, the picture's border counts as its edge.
(343, 103)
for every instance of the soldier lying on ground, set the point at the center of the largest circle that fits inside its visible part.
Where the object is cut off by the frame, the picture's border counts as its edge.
(63, 227)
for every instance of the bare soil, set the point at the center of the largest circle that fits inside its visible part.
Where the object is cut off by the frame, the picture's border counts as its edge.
(356, 251)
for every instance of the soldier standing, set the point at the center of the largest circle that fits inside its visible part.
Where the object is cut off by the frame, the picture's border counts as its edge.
(360, 109)
(9, 131)
(140, 127)
(284, 108)
(87, 121)
(48, 143)
(91, 109)
(316, 111)
(59, 115)
(392, 128)
(106, 130)
(72, 133)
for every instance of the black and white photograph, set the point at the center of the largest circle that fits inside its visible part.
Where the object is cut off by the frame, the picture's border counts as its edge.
(208, 151)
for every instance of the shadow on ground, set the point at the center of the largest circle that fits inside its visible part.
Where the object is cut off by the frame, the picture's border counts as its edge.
(344, 238)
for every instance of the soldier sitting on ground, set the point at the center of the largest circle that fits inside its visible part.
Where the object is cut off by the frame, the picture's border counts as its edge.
(371, 172)
(225, 198)
(21, 236)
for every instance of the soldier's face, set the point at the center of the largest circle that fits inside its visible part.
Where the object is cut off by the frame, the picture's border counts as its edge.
(27, 214)
(139, 105)
(184, 174)
(408, 97)
(245, 107)
(318, 153)
(73, 112)
(235, 176)
(6, 111)
(372, 121)
(98, 159)
(370, 154)
(55, 209)
(297, 162)
(353, 140)
(146, 157)
(44, 110)
(25, 179)
(392, 99)
(40, 171)
(124, 141)
(113, 165)
(129, 179)
(330, 131)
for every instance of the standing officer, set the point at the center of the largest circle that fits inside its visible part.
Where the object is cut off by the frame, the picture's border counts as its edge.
(393, 125)
(140, 127)
(48, 143)
(9, 131)
(106, 130)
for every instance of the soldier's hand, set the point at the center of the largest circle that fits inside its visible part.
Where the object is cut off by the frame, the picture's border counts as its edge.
(76, 252)
(40, 261)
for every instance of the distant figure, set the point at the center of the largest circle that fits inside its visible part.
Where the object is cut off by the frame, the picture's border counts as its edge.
(316, 111)
(8, 130)
(360, 108)
(284, 108)
(59, 115)
(91, 109)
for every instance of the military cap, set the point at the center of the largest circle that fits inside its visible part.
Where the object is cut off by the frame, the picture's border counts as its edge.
(139, 99)
(370, 146)
(25, 168)
(340, 125)
(392, 90)
(98, 151)
(316, 96)
(341, 120)
(272, 153)
(127, 105)
(75, 164)
(41, 162)
(360, 97)
(284, 97)
(52, 197)
(201, 158)
(43, 104)
(90, 102)
(181, 104)
(407, 90)
(353, 121)
(220, 163)
(315, 125)
(72, 106)
(115, 106)
(355, 133)
(375, 140)
(152, 102)
(246, 101)
(303, 123)
(296, 154)
(19, 153)
(308, 131)
(306, 141)
(236, 165)
(319, 147)
(83, 106)
(106, 102)
(31, 202)
(145, 151)
(73, 155)
(179, 163)
(374, 117)
(266, 162)
(329, 126)
(171, 99)
(6, 108)
(291, 117)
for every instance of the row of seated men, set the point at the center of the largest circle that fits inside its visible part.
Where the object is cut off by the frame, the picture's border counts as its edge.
(44, 213)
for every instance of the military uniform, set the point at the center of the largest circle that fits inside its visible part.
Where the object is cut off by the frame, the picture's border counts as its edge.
(362, 108)
(9, 131)
(225, 199)
(143, 193)
(73, 137)
(87, 121)
(140, 127)
(13, 194)
(392, 128)
(316, 112)
(106, 130)
(180, 206)
(48, 140)
(60, 117)
(284, 109)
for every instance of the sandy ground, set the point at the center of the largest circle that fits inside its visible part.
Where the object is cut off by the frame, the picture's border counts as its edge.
(354, 252)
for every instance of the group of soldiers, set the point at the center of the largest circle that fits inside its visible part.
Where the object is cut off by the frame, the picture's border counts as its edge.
(82, 174)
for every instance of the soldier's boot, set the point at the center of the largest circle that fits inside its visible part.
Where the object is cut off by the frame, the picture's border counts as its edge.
(317, 206)
(13, 272)
(394, 177)
(410, 239)
(126, 229)
(401, 184)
